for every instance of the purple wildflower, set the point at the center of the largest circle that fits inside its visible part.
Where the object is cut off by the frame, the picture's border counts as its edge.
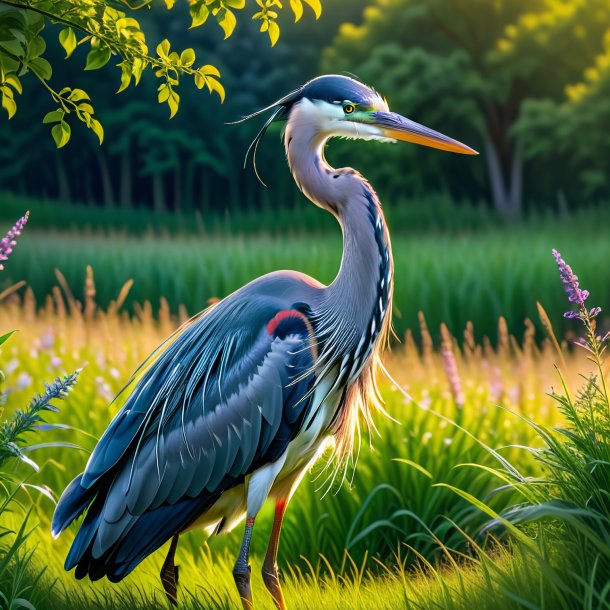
(8, 243)
(575, 293)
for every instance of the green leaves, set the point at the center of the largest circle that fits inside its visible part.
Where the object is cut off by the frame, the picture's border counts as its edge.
(61, 134)
(67, 39)
(54, 116)
(75, 102)
(41, 67)
(9, 86)
(97, 58)
(6, 336)
(109, 31)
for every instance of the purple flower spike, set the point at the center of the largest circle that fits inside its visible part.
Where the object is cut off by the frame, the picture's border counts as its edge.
(570, 283)
(8, 243)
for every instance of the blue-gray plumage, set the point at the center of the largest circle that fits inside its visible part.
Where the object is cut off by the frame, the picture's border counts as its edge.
(235, 406)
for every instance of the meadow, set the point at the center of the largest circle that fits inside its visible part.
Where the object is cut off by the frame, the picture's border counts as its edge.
(468, 411)
(478, 270)
(377, 539)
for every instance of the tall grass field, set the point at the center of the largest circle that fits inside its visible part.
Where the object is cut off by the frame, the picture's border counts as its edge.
(484, 486)
(372, 542)
(461, 277)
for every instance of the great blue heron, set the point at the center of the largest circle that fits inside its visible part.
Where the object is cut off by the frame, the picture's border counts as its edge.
(236, 405)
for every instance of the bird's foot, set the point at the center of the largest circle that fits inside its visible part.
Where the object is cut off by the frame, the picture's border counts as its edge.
(242, 582)
(169, 580)
(272, 582)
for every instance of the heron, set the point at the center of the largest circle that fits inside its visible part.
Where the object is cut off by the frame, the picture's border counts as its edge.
(237, 404)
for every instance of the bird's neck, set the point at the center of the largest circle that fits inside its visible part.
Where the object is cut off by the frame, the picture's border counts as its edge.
(357, 305)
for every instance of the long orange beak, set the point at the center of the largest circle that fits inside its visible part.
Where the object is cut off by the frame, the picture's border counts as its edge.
(398, 127)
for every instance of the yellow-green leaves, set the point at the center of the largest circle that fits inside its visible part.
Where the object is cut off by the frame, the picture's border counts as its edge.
(97, 58)
(227, 21)
(166, 94)
(187, 58)
(170, 66)
(9, 86)
(67, 39)
(297, 9)
(72, 102)
(222, 10)
(199, 12)
(207, 75)
(268, 15)
(8, 101)
(61, 134)
(316, 7)
(108, 31)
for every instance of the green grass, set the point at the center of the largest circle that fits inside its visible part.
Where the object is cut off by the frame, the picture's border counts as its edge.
(435, 213)
(505, 579)
(392, 507)
(453, 278)
(395, 505)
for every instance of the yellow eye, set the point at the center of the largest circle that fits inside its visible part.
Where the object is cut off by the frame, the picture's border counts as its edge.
(348, 108)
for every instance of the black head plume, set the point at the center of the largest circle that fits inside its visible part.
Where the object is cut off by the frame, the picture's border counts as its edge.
(330, 88)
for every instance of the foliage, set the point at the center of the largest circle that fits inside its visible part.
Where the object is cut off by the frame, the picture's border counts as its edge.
(111, 29)
(573, 487)
(32, 418)
(17, 582)
(566, 131)
(472, 70)
(18, 577)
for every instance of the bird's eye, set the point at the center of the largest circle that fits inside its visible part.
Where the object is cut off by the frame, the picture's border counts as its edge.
(348, 108)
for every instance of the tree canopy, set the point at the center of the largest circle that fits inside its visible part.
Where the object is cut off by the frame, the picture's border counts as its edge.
(487, 72)
(112, 29)
(525, 82)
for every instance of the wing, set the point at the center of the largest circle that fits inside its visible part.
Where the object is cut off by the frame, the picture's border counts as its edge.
(225, 396)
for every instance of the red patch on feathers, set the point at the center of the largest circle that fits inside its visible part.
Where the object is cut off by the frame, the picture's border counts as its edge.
(284, 315)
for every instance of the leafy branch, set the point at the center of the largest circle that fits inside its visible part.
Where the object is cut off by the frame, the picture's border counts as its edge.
(110, 31)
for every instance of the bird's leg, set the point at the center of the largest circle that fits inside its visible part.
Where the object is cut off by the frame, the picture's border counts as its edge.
(241, 570)
(169, 573)
(270, 572)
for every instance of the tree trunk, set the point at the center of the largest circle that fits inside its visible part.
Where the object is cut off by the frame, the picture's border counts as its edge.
(203, 202)
(516, 181)
(107, 193)
(177, 189)
(158, 193)
(189, 187)
(126, 179)
(63, 182)
(506, 190)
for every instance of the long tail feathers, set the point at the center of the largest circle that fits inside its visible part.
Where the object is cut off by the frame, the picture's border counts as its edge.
(71, 505)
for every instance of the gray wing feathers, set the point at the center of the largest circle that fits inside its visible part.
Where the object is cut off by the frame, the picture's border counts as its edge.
(223, 441)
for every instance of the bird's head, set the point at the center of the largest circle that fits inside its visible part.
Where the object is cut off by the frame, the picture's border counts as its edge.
(336, 105)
